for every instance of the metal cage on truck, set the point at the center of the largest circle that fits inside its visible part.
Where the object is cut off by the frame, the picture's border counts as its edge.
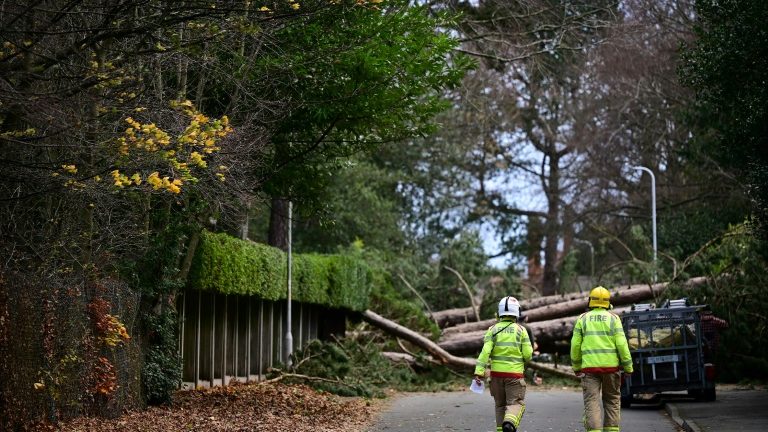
(668, 350)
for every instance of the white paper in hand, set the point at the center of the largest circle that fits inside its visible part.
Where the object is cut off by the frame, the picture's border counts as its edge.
(477, 387)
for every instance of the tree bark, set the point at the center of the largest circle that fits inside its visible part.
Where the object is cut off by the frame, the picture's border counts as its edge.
(560, 328)
(547, 300)
(415, 338)
(468, 343)
(278, 224)
(245, 219)
(621, 296)
(189, 254)
(551, 336)
(451, 317)
(549, 280)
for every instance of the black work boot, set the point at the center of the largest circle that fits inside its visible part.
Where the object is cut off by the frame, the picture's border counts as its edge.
(508, 427)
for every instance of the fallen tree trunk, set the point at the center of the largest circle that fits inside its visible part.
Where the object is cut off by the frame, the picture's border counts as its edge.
(550, 335)
(471, 343)
(415, 338)
(551, 299)
(439, 353)
(560, 328)
(468, 343)
(621, 296)
(451, 317)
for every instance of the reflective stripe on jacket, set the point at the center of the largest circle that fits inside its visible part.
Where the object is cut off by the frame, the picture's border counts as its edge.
(506, 347)
(598, 344)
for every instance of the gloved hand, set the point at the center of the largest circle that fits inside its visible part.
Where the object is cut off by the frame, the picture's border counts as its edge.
(579, 374)
(624, 376)
(478, 379)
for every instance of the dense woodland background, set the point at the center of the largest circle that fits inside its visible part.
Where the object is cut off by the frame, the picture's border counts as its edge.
(490, 139)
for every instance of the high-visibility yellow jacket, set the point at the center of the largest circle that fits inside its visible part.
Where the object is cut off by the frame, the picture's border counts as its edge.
(506, 347)
(598, 344)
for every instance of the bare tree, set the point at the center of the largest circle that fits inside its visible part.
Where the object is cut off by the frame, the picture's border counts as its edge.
(518, 114)
(639, 118)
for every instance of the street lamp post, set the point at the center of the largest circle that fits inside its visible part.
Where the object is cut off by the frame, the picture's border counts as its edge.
(289, 323)
(653, 213)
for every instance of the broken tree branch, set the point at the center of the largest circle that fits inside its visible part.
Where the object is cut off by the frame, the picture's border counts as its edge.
(282, 375)
(469, 292)
(439, 353)
(426, 305)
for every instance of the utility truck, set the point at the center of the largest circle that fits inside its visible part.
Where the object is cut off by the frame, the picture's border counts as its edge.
(671, 350)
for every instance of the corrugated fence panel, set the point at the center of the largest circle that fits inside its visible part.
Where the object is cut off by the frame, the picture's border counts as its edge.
(233, 337)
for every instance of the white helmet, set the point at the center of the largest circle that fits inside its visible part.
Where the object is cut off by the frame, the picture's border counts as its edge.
(509, 306)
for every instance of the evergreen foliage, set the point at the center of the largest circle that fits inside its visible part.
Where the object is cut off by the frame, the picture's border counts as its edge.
(358, 77)
(231, 266)
(140, 149)
(727, 67)
(359, 369)
(736, 264)
(157, 276)
(362, 203)
(161, 373)
(391, 299)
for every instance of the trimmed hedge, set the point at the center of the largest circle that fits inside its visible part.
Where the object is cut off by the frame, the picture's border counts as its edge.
(231, 266)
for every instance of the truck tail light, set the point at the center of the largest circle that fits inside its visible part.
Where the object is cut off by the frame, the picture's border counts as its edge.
(709, 371)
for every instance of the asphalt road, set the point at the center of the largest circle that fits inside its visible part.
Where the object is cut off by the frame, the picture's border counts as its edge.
(552, 410)
(735, 410)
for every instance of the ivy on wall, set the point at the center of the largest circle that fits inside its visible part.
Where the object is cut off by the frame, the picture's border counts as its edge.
(231, 266)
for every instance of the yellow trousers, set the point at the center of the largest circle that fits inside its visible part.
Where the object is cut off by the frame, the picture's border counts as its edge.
(602, 401)
(508, 395)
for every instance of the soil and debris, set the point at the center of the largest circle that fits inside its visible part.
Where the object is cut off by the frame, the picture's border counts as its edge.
(242, 407)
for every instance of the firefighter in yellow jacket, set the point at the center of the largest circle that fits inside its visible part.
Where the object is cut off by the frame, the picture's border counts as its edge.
(506, 348)
(599, 355)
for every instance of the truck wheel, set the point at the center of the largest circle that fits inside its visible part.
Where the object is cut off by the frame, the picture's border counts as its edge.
(710, 394)
(626, 401)
(696, 394)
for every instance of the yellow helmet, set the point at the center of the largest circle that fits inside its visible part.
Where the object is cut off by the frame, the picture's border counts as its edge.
(599, 297)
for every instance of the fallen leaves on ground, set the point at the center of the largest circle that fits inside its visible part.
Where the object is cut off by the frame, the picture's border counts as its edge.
(241, 407)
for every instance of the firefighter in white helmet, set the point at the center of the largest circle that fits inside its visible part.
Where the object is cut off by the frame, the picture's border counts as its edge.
(506, 349)
(599, 355)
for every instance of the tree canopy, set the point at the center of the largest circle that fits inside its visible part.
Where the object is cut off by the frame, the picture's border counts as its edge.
(126, 127)
(464, 149)
(727, 67)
